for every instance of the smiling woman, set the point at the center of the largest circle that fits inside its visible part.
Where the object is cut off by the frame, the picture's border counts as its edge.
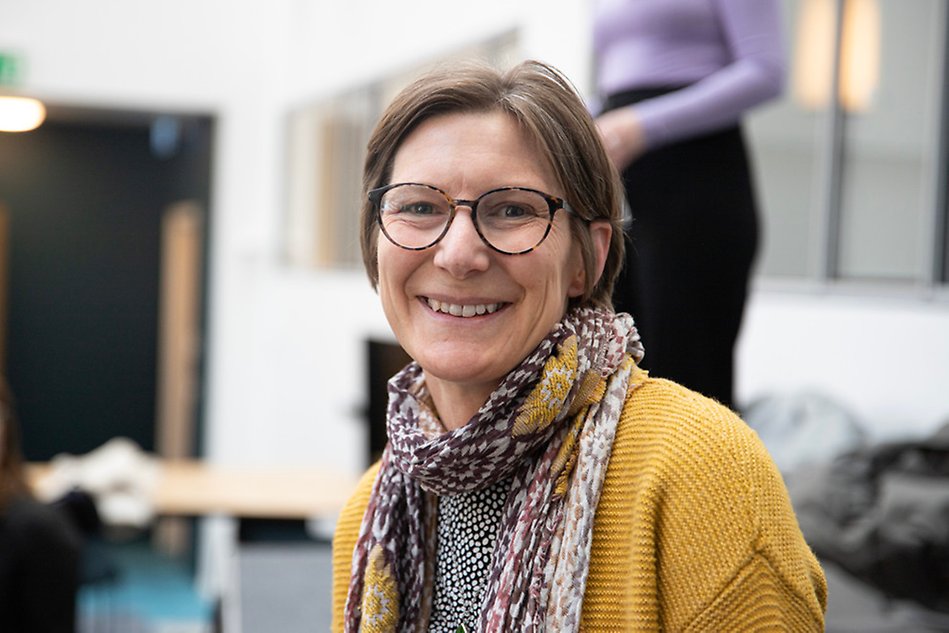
(533, 472)
(520, 298)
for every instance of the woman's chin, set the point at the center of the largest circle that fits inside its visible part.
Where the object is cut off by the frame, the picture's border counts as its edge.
(468, 375)
(462, 372)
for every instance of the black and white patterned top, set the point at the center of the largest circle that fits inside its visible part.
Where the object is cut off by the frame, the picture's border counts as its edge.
(467, 529)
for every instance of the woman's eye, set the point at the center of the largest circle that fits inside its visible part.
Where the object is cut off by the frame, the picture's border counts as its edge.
(418, 208)
(514, 211)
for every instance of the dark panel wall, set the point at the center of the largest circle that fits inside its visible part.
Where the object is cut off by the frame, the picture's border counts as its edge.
(85, 203)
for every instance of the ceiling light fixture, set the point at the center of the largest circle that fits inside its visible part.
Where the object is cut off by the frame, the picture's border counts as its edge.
(20, 114)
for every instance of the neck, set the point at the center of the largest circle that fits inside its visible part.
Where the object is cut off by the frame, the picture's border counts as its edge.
(457, 403)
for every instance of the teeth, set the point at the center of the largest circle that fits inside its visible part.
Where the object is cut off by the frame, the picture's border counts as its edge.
(465, 311)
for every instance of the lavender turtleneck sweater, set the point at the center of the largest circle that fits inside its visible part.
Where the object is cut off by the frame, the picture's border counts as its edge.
(729, 53)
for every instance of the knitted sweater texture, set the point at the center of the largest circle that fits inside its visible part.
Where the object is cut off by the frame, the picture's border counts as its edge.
(694, 530)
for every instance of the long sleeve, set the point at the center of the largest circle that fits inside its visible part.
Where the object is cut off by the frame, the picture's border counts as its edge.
(731, 65)
(752, 29)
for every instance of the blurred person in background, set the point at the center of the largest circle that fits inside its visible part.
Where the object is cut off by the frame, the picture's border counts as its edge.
(39, 548)
(535, 478)
(675, 78)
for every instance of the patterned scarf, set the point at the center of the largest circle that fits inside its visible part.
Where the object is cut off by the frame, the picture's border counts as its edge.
(549, 426)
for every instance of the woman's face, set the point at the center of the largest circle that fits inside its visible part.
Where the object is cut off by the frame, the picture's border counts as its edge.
(465, 155)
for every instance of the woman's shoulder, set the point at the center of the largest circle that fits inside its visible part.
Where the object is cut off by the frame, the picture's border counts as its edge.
(706, 482)
(37, 523)
(659, 409)
(676, 439)
(26, 513)
(344, 541)
(351, 515)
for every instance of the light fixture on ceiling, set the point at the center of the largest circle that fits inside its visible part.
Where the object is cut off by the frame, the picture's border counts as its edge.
(20, 114)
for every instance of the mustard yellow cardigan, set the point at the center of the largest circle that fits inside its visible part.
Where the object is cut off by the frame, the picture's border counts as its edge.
(693, 532)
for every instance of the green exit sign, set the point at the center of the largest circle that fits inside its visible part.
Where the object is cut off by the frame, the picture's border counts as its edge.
(11, 68)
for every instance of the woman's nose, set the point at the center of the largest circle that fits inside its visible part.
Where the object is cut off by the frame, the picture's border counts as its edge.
(461, 251)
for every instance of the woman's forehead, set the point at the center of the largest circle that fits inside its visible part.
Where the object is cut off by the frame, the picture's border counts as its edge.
(462, 150)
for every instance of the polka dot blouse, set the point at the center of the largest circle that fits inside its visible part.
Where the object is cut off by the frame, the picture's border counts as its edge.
(467, 530)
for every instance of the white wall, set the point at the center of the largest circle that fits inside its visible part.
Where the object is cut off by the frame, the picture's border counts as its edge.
(885, 357)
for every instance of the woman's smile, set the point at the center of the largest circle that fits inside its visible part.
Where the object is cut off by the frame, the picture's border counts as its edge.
(465, 310)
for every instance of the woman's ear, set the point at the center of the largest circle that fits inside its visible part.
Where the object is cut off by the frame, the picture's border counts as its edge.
(600, 233)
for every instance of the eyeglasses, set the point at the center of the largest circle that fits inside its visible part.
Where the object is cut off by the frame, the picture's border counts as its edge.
(510, 220)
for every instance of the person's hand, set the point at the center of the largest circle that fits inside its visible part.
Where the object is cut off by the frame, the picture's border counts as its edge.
(623, 136)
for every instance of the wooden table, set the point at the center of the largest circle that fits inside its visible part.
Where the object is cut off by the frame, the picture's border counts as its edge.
(197, 488)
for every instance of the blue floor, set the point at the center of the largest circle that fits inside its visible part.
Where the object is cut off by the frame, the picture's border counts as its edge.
(134, 588)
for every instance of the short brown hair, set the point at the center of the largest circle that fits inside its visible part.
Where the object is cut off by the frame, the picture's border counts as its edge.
(551, 113)
(12, 479)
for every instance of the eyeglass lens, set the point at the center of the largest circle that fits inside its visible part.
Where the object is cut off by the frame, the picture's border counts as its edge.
(510, 220)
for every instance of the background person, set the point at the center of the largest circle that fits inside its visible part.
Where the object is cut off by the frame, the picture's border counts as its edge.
(535, 478)
(39, 549)
(677, 75)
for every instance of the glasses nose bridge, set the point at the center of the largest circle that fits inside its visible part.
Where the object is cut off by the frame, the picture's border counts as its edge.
(471, 204)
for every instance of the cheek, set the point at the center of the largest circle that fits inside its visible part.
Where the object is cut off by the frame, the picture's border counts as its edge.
(386, 261)
(390, 298)
(549, 291)
(570, 279)
(394, 266)
(384, 272)
(373, 259)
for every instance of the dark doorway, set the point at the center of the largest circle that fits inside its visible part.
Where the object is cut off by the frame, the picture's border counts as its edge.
(85, 196)
(384, 360)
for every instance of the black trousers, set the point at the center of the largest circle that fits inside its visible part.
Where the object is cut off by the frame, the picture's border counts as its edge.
(690, 250)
